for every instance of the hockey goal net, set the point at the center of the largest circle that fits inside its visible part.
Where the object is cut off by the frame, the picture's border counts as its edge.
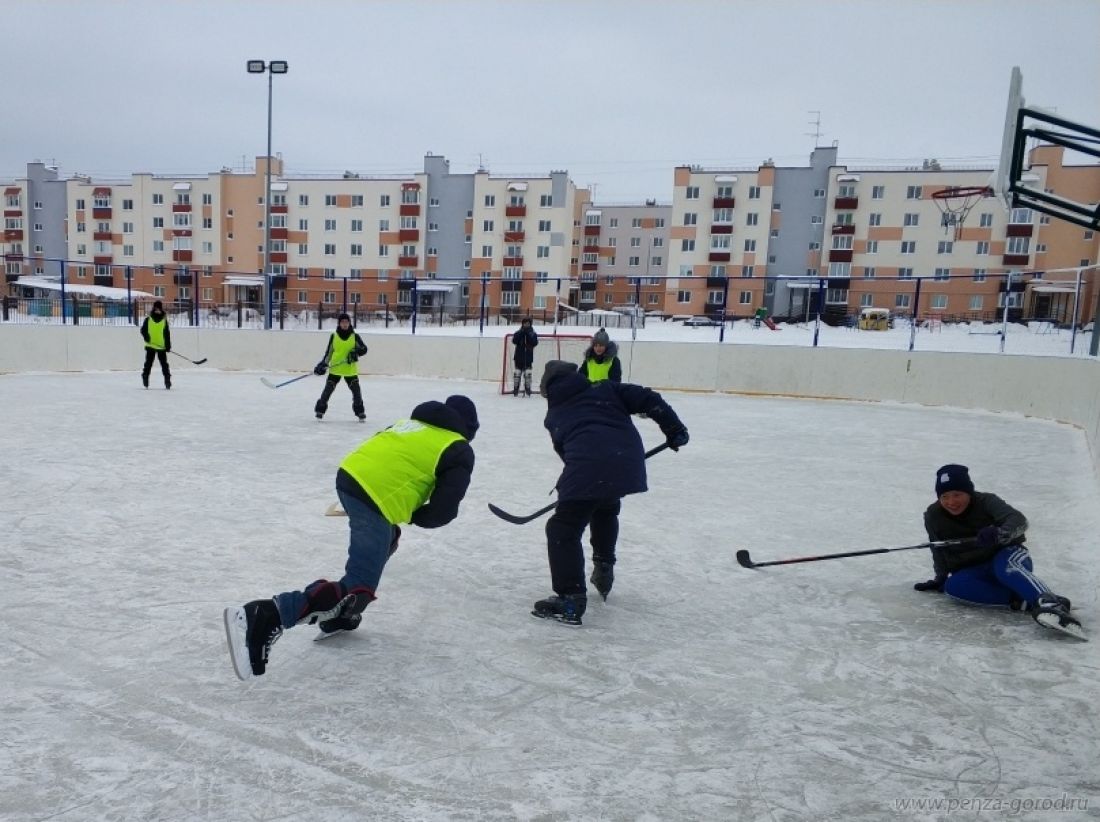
(568, 347)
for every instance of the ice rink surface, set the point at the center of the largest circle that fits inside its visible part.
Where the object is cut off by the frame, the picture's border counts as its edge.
(700, 690)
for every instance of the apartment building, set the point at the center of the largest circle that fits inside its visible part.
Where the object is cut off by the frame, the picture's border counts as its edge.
(623, 256)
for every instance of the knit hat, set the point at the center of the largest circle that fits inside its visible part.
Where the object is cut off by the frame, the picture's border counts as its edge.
(343, 316)
(466, 410)
(953, 478)
(158, 306)
(554, 370)
(601, 338)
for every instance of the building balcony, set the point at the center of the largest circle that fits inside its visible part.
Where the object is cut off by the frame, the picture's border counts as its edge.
(511, 262)
(515, 211)
(182, 278)
(591, 249)
(101, 235)
(13, 235)
(103, 279)
(408, 262)
(11, 278)
(279, 208)
(181, 232)
(719, 257)
(181, 257)
(725, 202)
(102, 260)
(277, 257)
(846, 203)
(590, 266)
(717, 282)
(844, 228)
(1015, 259)
(181, 208)
(591, 231)
(278, 281)
(588, 297)
(511, 285)
(280, 233)
(1019, 230)
(13, 257)
(409, 210)
(514, 236)
(101, 213)
(721, 228)
(840, 255)
(409, 235)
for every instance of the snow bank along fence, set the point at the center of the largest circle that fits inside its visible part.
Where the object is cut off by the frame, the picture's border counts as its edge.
(1056, 388)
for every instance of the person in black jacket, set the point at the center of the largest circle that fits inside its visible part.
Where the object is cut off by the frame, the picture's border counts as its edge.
(524, 341)
(158, 342)
(340, 359)
(992, 566)
(591, 430)
(416, 471)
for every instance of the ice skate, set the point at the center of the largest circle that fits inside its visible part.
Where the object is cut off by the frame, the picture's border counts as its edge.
(1050, 611)
(250, 631)
(567, 609)
(603, 577)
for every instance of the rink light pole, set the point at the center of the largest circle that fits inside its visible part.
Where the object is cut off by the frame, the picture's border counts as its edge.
(272, 67)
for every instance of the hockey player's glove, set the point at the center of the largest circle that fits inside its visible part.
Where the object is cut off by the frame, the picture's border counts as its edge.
(931, 585)
(677, 439)
(987, 537)
(352, 357)
(320, 369)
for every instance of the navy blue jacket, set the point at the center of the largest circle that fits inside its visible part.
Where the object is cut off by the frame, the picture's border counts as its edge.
(592, 432)
(525, 341)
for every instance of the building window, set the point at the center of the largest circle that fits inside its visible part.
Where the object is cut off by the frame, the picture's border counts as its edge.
(905, 273)
(911, 219)
(982, 247)
(692, 193)
(939, 302)
(872, 246)
(942, 274)
(912, 193)
(750, 245)
(683, 296)
(878, 192)
(690, 218)
(908, 246)
(975, 302)
(979, 275)
(752, 218)
(875, 219)
(945, 247)
(986, 220)
(1018, 245)
(901, 300)
(687, 245)
(869, 273)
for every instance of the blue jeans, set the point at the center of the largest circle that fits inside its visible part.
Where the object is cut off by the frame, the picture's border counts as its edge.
(368, 550)
(996, 581)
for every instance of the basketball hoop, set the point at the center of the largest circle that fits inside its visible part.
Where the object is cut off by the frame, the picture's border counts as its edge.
(955, 203)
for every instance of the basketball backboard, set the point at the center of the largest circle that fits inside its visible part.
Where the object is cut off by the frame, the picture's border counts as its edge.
(1011, 181)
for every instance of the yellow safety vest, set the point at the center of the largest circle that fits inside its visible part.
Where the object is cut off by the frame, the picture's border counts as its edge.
(598, 371)
(396, 467)
(337, 361)
(155, 329)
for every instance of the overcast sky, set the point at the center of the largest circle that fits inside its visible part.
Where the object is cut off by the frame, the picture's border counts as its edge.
(617, 93)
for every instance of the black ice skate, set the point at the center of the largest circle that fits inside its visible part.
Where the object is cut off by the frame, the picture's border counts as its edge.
(603, 577)
(349, 613)
(1050, 611)
(250, 631)
(567, 609)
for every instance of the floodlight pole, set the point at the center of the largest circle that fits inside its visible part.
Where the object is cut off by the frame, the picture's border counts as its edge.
(270, 68)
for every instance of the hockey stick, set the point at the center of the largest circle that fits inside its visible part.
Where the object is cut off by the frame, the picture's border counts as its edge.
(271, 384)
(523, 520)
(335, 509)
(746, 561)
(193, 362)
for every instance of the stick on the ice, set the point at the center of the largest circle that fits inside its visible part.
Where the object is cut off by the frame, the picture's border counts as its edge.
(193, 362)
(746, 561)
(335, 510)
(517, 519)
(272, 384)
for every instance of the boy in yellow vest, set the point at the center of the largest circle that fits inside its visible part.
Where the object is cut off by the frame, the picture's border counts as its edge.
(158, 342)
(344, 349)
(601, 360)
(417, 471)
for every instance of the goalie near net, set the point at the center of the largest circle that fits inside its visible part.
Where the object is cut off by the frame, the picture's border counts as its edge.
(568, 347)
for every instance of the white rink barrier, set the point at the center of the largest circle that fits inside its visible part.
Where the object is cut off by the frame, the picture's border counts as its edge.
(1063, 389)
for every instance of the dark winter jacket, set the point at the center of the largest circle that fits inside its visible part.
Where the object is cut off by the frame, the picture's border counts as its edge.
(610, 353)
(525, 341)
(984, 509)
(591, 429)
(452, 472)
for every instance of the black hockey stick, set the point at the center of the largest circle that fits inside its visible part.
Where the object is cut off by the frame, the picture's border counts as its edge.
(193, 362)
(271, 384)
(523, 520)
(746, 561)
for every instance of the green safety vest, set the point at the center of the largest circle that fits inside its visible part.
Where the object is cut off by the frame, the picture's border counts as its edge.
(598, 371)
(155, 329)
(337, 361)
(396, 467)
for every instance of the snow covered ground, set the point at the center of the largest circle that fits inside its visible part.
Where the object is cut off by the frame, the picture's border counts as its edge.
(700, 690)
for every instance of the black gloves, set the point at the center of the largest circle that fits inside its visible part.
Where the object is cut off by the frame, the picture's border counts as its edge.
(677, 439)
(931, 585)
(987, 537)
(352, 357)
(320, 369)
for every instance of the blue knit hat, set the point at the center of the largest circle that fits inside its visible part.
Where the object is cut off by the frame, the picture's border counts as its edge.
(953, 478)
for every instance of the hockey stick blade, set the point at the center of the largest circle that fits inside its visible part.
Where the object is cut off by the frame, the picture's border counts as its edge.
(518, 520)
(744, 560)
(335, 510)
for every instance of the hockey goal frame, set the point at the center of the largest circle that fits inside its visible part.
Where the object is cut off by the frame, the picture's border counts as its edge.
(569, 347)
